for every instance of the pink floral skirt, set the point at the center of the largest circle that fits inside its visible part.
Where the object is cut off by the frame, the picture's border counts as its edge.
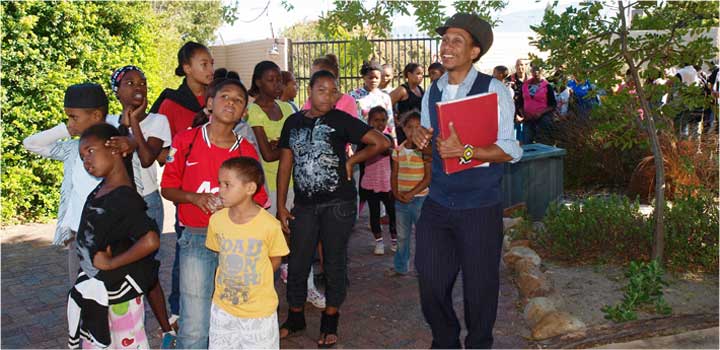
(127, 326)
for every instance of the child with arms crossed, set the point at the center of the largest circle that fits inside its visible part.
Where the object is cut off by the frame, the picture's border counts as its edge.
(115, 243)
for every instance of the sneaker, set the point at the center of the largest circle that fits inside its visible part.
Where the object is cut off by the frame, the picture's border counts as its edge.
(393, 245)
(379, 248)
(284, 272)
(316, 298)
(168, 340)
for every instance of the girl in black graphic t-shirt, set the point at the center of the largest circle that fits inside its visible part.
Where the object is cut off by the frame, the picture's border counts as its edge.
(312, 145)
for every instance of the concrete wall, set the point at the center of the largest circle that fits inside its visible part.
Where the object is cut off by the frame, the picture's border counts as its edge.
(243, 57)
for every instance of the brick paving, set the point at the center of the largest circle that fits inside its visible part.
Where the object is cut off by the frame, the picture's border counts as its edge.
(380, 312)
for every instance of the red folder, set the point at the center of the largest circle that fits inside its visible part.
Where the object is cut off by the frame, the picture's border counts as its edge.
(475, 119)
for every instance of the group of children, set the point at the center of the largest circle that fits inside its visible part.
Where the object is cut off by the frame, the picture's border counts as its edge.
(254, 184)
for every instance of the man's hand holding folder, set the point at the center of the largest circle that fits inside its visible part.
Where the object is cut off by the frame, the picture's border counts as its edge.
(449, 147)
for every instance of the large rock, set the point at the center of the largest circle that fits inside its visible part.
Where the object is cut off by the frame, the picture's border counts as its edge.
(556, 323)
(526, 266)
(507, 240)
(533, 284)
(537, 308)
(517, 253)
(509, 223)
(520, 243)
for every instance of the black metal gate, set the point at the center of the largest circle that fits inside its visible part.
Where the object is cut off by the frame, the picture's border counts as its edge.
(397, 52)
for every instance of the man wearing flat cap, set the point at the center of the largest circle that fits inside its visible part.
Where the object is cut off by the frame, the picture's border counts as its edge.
(460, 226)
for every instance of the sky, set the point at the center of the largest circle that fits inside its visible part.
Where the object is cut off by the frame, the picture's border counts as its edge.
(254, 24)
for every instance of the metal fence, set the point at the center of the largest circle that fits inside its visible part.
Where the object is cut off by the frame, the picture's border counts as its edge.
(398, 52)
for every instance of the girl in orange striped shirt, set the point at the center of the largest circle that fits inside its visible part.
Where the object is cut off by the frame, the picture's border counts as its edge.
(410, 177)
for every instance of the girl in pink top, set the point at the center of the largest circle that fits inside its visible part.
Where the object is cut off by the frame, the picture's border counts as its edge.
(329, 63)
(375, 184)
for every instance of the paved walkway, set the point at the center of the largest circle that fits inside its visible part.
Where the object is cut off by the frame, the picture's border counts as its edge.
(379, 312)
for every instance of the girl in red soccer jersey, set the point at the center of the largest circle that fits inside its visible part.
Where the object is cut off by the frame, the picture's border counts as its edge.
(195, 64)
(190, 180)
(180, 106)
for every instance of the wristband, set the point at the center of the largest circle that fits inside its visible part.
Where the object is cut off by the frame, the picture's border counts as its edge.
(467, 154)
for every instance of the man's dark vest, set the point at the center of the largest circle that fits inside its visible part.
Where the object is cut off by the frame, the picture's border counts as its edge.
(472, 188)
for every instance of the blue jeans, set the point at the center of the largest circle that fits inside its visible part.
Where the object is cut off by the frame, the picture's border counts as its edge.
(406, 215)
(174, 298)
(197, 283)
(520, 130)
(155, 209)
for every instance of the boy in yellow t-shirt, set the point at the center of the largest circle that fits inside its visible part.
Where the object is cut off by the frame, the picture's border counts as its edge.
(250, 244)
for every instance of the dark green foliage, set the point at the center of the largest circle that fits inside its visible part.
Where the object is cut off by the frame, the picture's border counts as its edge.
(592, 41)
(610, 228)
(377, 17)
(705, 14)
(692, 230)
(645, 288)
(47, 46)
(595, 228)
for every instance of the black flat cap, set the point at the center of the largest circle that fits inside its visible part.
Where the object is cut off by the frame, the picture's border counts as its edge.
(478, 28)
(85, 95)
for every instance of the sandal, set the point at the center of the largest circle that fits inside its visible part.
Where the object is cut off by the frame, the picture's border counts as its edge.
(328, 327)
(294, 324)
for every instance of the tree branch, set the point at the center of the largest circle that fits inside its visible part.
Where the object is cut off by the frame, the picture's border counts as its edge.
(659, 232)
(608, 62)
(661, 47)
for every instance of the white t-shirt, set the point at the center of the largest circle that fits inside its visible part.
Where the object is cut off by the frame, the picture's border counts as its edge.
(562, 98)
(154, 125)
(452, 91)
(716, 86)
(83, 183)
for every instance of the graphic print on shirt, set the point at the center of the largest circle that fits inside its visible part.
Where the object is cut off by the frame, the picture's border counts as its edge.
(533, 88)
(83, 249)
(315, 162)
(239, 259)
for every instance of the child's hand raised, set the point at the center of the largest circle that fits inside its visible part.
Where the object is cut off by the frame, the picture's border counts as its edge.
(421, 137)
(135, 114)
(122, 144)
(103, 259)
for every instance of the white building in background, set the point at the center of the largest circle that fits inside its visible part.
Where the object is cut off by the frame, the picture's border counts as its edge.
(506, 48)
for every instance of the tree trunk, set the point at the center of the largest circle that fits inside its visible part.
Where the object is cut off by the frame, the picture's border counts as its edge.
(659, 231)
(612, 333)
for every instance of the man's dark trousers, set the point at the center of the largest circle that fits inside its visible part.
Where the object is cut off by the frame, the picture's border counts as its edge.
(453, 240)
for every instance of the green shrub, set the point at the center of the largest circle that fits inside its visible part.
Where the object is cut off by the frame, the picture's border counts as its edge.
(595, 227)
(525, 229)
(691, 228)
(49, 45)
(611, 228)
(644, 288)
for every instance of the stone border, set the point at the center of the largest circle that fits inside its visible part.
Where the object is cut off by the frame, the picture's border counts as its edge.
(540, 312)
